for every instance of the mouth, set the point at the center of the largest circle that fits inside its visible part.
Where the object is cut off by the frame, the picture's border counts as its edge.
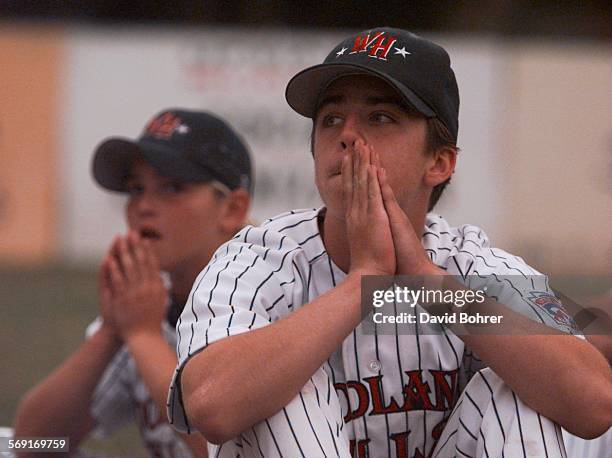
(149, 233)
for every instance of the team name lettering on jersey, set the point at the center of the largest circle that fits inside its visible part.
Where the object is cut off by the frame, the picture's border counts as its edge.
(417, 395)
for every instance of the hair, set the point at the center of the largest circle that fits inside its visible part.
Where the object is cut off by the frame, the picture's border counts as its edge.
(438, 137)
(218, 194)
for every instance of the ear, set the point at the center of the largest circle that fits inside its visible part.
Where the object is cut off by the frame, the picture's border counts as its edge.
(235, 211)
(440, 166)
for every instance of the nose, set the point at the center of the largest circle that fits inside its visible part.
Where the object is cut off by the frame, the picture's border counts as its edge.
(350, 133)
(143, 205)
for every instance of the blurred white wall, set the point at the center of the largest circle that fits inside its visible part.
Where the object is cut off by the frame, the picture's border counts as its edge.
(116, 79)
(558, 141)
(535, 169)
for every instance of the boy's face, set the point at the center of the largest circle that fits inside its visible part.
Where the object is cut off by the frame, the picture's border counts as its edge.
(367, 108)
(179, 218)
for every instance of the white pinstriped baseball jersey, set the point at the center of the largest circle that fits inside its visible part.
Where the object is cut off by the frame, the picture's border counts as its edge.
(121, 397)
(396, 391)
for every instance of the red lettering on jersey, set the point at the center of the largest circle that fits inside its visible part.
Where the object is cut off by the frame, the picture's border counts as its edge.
(341, 387)
(364, 400)
(359, 449)
(378, 400)
(416, 392)
(401, 444)
(379, 46)
(445, 392)
(163, 127)
(363, 43)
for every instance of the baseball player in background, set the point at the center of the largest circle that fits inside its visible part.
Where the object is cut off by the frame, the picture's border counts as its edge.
(273, 356)
(188, 182)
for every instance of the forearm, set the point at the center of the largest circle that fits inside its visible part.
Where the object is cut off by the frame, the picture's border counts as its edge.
(561, 377)
(603, 343)
(156, 361)
(226, 387)
(556, 374)
(59, 405)
(196, 443)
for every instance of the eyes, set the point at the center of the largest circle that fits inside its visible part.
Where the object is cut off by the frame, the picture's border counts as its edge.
(173, 187)
(382, 118)
(374, 118)
(135, 188)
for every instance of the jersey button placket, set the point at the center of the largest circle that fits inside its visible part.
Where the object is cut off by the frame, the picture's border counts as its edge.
(375, 366)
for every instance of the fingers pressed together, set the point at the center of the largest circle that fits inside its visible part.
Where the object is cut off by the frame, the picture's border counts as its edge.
(368, 230)
(132, 293)
(375, 219)
(130, 260)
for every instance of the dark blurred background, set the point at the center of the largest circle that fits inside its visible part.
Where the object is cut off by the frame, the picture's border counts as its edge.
(519, 18)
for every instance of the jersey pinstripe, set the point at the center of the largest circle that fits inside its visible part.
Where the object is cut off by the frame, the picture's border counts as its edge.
(122, 397)
(490, 420)
(395, 391)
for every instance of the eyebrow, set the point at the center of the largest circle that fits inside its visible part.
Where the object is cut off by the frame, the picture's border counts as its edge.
(373, 100)
(329, 100)
(385, 100)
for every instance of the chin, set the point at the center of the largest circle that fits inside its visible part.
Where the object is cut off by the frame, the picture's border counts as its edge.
(167, 266)
(162, 258)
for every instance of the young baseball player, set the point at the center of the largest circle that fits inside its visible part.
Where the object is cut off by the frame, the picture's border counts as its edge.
(188, 182)
(275, 358)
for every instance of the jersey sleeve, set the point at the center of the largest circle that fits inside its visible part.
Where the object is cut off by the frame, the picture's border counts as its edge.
(511, 282)
(465, 252)
(248, 284)
(112, 406)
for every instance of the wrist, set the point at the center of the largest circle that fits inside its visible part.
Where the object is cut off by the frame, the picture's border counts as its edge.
(431, 269)
(139, 333)
(109, 335)
(424, 269)
(359, 272)
(143, 340)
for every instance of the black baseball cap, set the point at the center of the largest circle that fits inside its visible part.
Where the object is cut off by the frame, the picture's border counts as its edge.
(417, 68)
(191, 146)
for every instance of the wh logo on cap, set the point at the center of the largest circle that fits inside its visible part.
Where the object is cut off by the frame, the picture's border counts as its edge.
(163, 126)
(377, 47)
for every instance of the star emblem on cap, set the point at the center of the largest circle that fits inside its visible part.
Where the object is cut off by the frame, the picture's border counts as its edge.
(182, 129)
(339, 53)
(402, 51)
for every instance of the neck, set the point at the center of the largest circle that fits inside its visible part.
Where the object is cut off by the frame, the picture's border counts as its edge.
(183, 276)
(333, 232)
(182, 281)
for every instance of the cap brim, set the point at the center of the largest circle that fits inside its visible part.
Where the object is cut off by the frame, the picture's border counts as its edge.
(114, 157)
(304, 89)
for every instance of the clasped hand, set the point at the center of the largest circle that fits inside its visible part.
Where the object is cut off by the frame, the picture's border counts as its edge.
(132, 294)
(382, 239)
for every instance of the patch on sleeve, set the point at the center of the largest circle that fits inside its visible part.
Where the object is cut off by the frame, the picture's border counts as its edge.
(553, 307)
